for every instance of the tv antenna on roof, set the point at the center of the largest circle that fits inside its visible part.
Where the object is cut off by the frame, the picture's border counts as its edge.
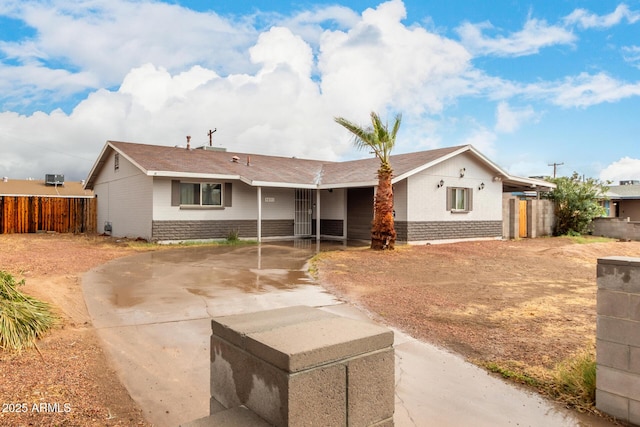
(211, 132)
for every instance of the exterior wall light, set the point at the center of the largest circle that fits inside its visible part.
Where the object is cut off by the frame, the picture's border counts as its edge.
(441, 183)
(481, 187)
(462, 171)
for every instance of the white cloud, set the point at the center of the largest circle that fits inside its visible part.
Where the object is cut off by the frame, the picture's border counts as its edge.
(586, 19)
(535, 35)
(586, 90)
(509, 119)
(380, 62)
(631, 54)
(626, 168)
(310, 24)
(278, 47)
(152, 87)
(101, 40)
(483, 140)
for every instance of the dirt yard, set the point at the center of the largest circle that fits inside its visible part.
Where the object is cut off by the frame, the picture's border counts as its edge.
(526, 304)
(69, 381)
(530, 302)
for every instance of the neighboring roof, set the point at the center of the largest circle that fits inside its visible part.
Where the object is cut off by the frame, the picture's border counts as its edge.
(624, 191)
(291, 172)
(29, 187)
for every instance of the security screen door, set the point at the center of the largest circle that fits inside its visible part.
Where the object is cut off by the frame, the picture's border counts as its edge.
(303, 212)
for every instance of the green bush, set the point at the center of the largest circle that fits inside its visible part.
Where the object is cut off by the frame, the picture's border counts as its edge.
(577, 203)
(23, 318)
(233, 236)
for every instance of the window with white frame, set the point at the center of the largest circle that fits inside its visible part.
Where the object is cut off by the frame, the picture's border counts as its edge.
(116, 162)
(200, 194)
(459, 199)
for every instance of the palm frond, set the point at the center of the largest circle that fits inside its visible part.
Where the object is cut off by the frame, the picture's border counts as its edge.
(375, 137)
(23, 318)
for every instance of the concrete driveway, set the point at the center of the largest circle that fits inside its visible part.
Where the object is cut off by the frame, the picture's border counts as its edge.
(152, 312)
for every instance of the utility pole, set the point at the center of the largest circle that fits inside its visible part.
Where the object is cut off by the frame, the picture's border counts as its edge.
(211, 132)
(555, 166)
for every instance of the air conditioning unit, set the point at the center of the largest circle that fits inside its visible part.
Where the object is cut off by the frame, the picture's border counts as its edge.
(54, 179)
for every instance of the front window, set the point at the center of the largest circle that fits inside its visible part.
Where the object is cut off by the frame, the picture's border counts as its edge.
(200, 194)
(459, 199)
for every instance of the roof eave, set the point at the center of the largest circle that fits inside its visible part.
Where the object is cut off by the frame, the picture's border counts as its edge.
(282, 184)
(191, 175)
(329, 186)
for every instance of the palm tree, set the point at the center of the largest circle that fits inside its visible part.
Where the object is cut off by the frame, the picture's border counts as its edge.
(381, 141)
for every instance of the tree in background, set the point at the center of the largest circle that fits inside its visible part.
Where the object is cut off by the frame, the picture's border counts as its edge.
(381, 141)
(577, 203)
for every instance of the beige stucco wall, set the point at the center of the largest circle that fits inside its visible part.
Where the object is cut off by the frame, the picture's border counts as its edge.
(426, 202)
(332, 204)
(124, 199)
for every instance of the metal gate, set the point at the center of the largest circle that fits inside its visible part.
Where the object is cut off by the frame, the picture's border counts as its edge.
(303, 213)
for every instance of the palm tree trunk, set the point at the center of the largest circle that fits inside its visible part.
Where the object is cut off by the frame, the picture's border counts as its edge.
(383, 233)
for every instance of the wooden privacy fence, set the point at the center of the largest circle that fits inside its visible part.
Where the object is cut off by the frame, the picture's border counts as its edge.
(30, 214)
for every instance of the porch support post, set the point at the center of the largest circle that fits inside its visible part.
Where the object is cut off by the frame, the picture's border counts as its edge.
(318, 215)
(259, 214)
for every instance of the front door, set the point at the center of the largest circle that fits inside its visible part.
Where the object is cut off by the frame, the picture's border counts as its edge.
(303, 213)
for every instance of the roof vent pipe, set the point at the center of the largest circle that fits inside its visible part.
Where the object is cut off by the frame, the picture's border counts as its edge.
(188, 142)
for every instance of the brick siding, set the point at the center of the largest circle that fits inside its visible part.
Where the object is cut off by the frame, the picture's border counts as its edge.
(441, 230)
(192, 230)
(328, 227)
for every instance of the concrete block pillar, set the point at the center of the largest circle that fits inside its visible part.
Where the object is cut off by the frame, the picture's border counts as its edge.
(300, 366)
(618, 338)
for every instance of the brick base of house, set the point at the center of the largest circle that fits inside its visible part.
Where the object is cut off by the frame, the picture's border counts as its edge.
(196, 230)
(407, 231)
(416, 231)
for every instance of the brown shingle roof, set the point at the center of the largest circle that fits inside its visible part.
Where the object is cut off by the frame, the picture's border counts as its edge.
(365, 170)
(23, 187)
(198, 161)
(269, 169)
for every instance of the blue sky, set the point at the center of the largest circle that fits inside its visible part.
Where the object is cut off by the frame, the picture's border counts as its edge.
(527, 83)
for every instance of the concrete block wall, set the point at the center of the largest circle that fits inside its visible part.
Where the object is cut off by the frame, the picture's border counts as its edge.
(541, 217)
(510, 217)
(300, 366)
(618, 338)
(617, 228)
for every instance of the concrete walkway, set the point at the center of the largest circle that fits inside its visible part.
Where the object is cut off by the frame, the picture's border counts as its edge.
(153, 311)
